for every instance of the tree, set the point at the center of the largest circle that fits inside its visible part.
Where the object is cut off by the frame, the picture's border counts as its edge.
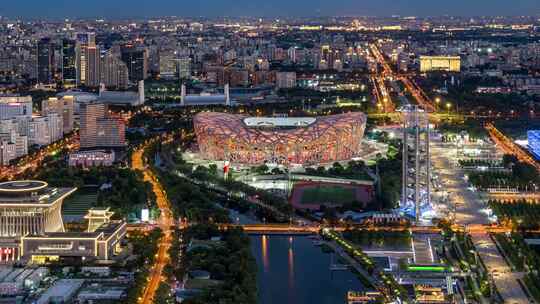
(163, 294)
(262, 169)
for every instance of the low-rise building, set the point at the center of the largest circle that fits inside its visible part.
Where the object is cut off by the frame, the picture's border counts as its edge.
(92, 158)
(62, 291)
(101, 241)
(99, 293)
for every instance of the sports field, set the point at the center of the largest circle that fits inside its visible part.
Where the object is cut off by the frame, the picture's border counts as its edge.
(328, 195)
(312, 195)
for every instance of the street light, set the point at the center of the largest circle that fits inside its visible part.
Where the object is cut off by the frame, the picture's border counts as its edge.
(448, 106)
(437, 101)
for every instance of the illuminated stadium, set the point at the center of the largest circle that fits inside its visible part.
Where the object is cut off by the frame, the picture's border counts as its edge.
(292, 140)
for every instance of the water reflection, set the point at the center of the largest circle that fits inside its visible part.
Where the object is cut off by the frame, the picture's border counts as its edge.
(293, 270)
(264, 248)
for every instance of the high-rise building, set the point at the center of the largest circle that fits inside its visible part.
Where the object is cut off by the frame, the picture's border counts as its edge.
(12, 143)
(114, 72)
(89, 114)
(69, 63)
(44, 130)
(136, 59)
(167, 64)
(45, 66)
(98, 128)
(14, 105)
(63, 107)
(92, 66)
(86, 38)
(184, 68)
(55, 125)
(7, 151)
(533, 139)
(88, 60)
(38, 131)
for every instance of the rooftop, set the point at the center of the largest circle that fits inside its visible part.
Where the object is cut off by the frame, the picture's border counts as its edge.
(22, 186)
(31, 192)
(279, 121)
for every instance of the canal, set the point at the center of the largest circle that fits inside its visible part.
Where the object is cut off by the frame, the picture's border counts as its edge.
(293, 270)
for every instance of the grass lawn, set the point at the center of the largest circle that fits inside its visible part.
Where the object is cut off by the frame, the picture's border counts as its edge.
(78, 203)
(327, 194)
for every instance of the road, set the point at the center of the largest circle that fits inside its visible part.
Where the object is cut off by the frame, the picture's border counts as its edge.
(509, 147)
(468, 213)
(468, 205)
(35, 160)
(413, 88)
(165, 222)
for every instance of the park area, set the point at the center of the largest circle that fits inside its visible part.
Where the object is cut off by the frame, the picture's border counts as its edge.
(313, 195)
(76, 206)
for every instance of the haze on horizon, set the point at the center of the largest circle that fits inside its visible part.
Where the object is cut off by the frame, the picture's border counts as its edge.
(283, 8)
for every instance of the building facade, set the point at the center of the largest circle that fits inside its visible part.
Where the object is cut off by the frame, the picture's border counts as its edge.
(98, 128)
(69, 63)
(298, 140)
(45, 64)
(440, 63)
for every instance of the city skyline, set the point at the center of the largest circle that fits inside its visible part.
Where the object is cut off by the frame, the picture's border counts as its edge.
(55, 9)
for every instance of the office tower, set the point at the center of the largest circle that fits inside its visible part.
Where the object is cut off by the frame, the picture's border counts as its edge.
(98, 129)
(45, 65)
(167, 64)
(93, 62)
(416, 189)
(69, 63)
(63, 107)
(184, 68)
(136, 60)
(13, 105)
(114, 72)
(86, 38)
(89, 114)
(88, 60)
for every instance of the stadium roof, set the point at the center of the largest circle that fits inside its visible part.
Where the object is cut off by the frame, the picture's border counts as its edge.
(279, 121)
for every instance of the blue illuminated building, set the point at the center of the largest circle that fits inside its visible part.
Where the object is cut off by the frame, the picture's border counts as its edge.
(533, 137)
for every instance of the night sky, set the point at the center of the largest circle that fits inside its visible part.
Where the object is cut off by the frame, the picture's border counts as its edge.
(270, 8)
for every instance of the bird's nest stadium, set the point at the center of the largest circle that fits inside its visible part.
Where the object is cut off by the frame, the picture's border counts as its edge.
(279, 140)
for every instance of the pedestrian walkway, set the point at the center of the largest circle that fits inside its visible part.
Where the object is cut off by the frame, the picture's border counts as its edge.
(422, 251)
(505, 280)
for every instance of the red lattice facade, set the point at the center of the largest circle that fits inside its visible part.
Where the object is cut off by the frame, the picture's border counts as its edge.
(226, 137)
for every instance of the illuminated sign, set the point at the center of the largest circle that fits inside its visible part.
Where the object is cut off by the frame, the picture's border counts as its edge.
(145, 215)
